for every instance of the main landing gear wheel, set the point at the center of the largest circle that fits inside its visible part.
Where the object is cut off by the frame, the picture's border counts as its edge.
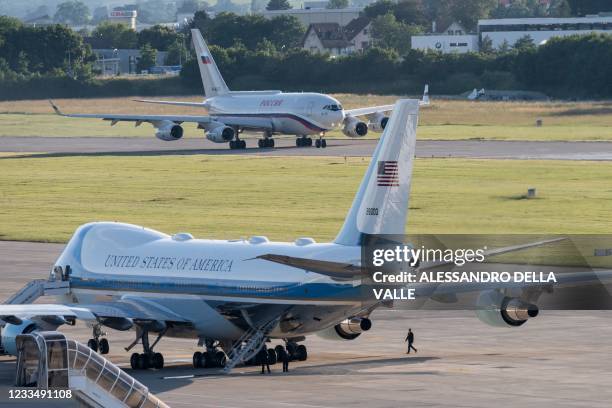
(301, 353)
(148, 358)
(212, 359)
(143, 361)
(237, 144)
(303, 141)
(267, 142)
(296, 351)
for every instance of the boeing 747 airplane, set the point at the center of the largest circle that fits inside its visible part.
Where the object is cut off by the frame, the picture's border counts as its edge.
(231, 296)
(230, 113)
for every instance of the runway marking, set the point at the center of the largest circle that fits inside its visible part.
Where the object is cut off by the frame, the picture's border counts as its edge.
(178, 377)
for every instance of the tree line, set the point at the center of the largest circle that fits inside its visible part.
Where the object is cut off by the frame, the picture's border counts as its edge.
(574, 66)
(254, 53)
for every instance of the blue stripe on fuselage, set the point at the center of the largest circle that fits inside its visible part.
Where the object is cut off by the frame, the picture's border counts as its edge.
(225, 288)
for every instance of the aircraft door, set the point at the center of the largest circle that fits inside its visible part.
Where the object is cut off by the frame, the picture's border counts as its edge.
(309, 107)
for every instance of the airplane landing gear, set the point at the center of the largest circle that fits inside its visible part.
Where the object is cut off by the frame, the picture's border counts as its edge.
(297, 352)
(303, 141)
(149, 358)
(237, 144)
(213, 357)
(321, 143)
(143, 361)
(265, 142)
(96, 343)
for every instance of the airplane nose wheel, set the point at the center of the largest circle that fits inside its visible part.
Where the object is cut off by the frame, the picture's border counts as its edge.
(321, 143)
(96, 343)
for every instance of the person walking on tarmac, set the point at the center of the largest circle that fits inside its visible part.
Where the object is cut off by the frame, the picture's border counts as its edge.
(263, 358)
(284, 358)
(410, 340)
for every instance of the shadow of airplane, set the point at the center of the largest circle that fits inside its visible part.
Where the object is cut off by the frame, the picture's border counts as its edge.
(173, 377)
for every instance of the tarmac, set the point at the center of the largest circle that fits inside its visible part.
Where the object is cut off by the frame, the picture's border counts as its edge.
(97, 146)
(560, 359)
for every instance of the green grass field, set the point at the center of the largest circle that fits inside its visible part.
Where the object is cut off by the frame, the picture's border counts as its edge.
(443, 120)
(45, 199)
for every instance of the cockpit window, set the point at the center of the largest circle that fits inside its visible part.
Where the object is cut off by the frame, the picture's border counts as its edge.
(333, 107)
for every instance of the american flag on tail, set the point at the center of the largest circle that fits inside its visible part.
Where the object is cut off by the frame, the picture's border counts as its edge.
(206, 59)
(388, 174)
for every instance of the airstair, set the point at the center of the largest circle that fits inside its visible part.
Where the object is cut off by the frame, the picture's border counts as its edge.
(40, 287)
(49, 361)
(248, 345)
(35, 289)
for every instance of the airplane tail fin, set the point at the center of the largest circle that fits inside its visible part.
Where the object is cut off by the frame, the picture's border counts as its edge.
(381, 203)
(211, 77)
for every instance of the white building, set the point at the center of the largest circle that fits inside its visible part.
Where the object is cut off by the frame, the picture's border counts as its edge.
(318, 15)
(540, 29)
(454, 39)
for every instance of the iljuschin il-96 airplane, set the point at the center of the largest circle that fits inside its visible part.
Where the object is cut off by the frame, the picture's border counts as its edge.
(272, 112)
(234, 295)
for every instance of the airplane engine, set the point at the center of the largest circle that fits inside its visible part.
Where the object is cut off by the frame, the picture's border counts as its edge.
(168, 131)
(348, 329)
(495, 309)
(378, 122)
(354, 128)
(220, 134)
(11, 331)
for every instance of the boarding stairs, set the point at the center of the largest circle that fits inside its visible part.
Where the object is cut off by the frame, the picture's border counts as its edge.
(247, 346)
(32, 291)
(51, 363)
(37, 288)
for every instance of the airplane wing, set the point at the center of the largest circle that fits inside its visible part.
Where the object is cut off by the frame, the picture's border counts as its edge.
(564, 280)
(369, 110)
(497, 251)
(114, 118)
(155, 120)
(348, 271)
(335, 270)
(192, 104)
(14, 313)
(384, 108)
(129, 308)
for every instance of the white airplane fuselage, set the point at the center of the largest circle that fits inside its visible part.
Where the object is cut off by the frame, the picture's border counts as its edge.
(193, 278)
(285, 113)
